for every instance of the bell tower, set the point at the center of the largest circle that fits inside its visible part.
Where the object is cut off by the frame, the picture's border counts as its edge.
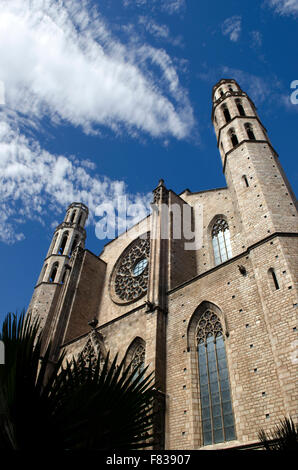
(262, 194)
(67, 236)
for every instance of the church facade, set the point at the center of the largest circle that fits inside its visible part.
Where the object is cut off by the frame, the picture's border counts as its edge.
(215, 319)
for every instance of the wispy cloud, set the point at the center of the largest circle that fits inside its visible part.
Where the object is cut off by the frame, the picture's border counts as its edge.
(257, 39)
(34, 182)
(284, 7)
(63, 62)
(169, 6)
(232, 27)
(159, 31)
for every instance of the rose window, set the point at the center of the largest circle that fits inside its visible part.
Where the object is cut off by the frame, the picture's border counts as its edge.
(129, 280)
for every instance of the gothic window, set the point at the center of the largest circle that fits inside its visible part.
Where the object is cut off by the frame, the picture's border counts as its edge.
(136, 356)
(221, 241)
(249, 131)
(233, 137)
(63, 243)
(220, 92)
(53, 272)
(274, 285)
(240, 107)
(64, 276)
(226, 112)
(129, 279)
(216, 406)
(52, 249)
(80, 218)
(73, 217)
(74, 244)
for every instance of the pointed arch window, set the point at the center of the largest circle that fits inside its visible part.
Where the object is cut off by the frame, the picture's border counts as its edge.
(249, 131)
(63, 243)
(135, 355)
(74, 244)
(215, 396)
(53, 274)
(221, 241)
(226, 112)
(73, 217)
(233, 137)
(240, 107)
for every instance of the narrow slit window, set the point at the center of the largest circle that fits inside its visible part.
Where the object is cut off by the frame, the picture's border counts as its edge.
(274, 284)
(245, 181)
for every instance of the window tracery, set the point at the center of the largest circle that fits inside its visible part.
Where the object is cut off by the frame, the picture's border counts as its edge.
(129, 279)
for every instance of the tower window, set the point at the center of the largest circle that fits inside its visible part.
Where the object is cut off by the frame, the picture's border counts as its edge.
(245, 180)
(249, 131)
(240, 107)
(273, 279)
(79, 220)
(53, 273)
(221, 241)
(233, 137)
(63, 243)
(73, 217)
(74, 244)
(230, 88)
(216, 406)
(221, 92)
(226, 112)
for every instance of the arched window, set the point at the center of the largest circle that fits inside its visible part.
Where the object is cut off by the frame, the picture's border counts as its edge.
(74, 244)
(274, 285)
(73, 217)
(43, 273)
(233, 137)
(79, 220)
(220, 92)
(240, 107)
(230, 88)
(245, 181)
(226, 112)
(249, 131)
(221, 241)
(64, 276)
(63, 243)
(53, 272)
(216, 406)
(135, 355)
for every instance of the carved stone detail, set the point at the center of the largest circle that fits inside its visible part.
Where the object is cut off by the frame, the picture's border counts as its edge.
(127, 283)
(209, 325)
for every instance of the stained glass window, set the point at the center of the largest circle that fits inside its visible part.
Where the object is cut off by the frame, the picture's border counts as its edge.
(221, 241)
(216, 407)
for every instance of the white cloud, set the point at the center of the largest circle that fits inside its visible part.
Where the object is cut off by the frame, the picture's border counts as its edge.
(232, 27)
(284, 7)
(62, 62)
(168, 6)
(159, 31)
(34, 182)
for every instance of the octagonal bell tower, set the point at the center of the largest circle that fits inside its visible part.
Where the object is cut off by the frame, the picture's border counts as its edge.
(69, 234)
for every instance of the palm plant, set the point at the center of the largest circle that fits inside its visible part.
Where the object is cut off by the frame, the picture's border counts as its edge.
(283, 437)
(47, 405)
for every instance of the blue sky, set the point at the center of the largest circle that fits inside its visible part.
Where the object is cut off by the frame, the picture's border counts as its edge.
(101, 99)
